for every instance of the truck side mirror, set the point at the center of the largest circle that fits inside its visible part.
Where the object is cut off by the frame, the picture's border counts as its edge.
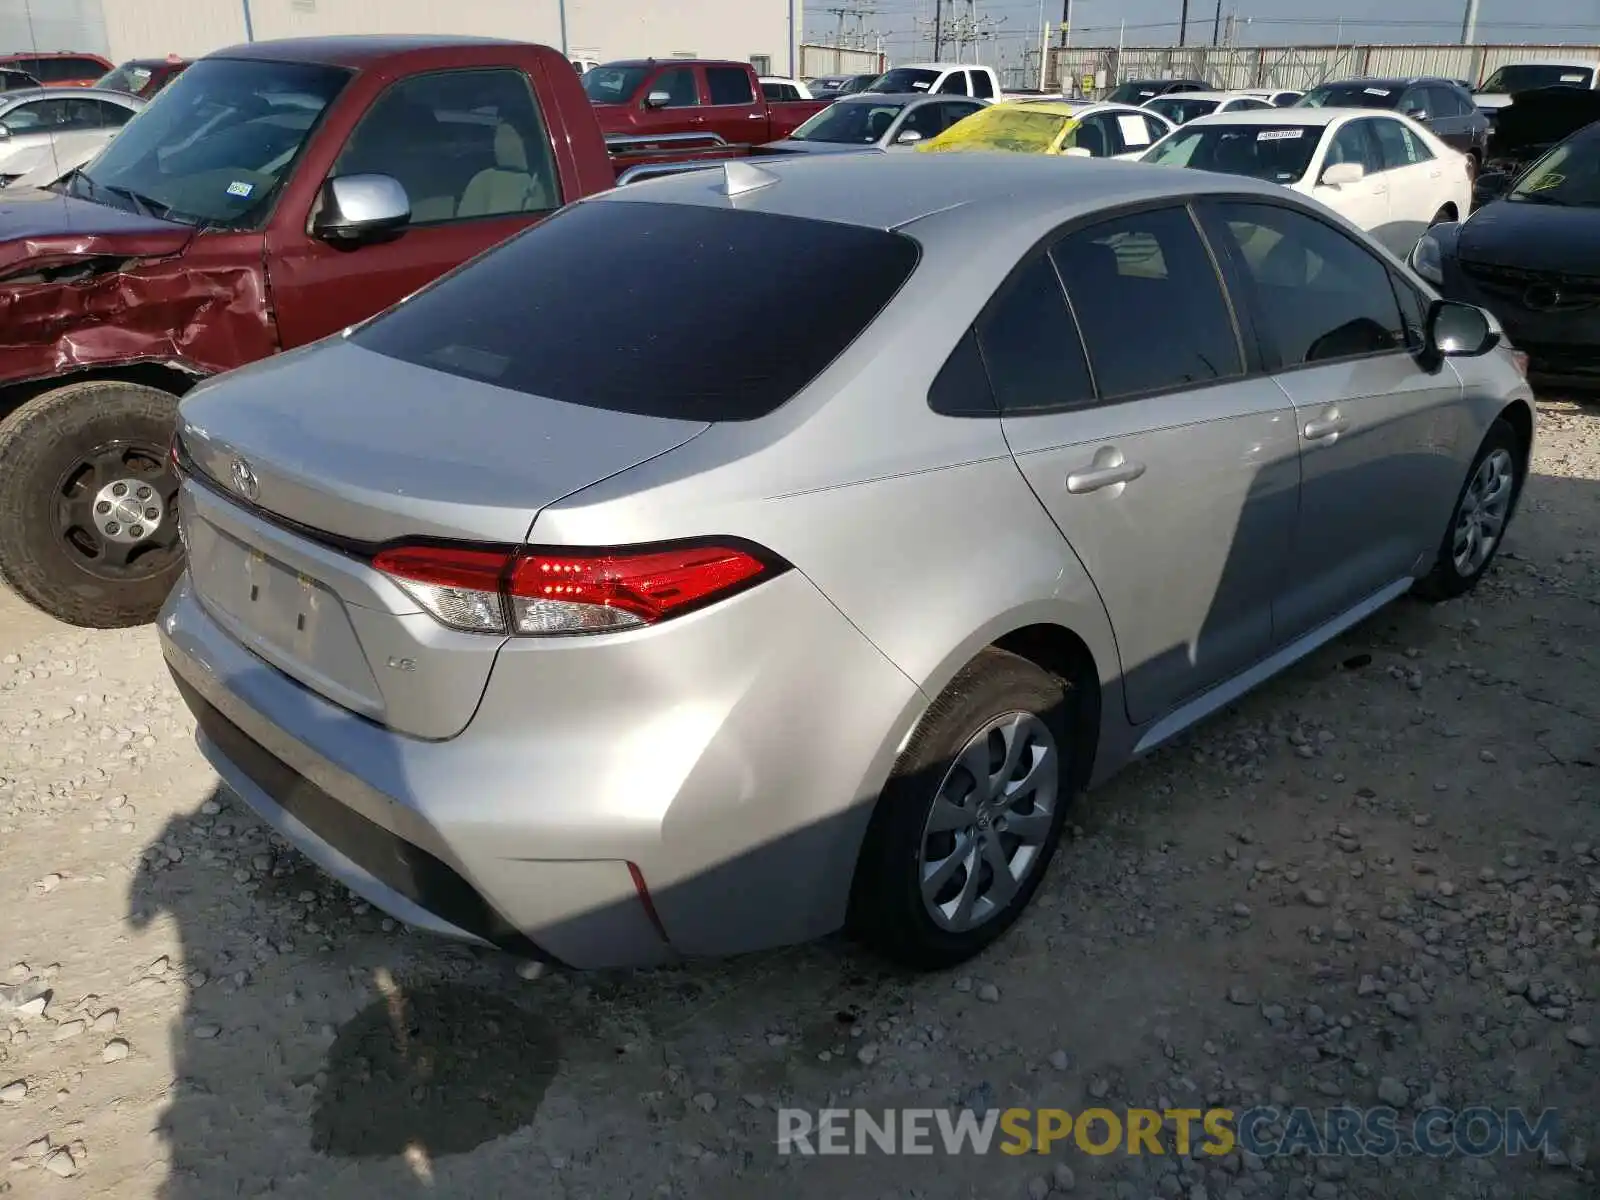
(361, 208)
(658, 99)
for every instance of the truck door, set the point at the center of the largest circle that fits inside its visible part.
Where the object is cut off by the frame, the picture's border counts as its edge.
(472, 150)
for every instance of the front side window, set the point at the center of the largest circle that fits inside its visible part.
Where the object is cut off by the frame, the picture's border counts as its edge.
(37, 116)
(1394, 144)
(729, 85)
(1002, 128)
(981, 85)
(955, 84)
(1276, 153)
(679, 86)
(653, 309)
(1151, 307)
(1319, 296)
(463, 144)
(1353, 143)
(214, 146)
(1031, 346)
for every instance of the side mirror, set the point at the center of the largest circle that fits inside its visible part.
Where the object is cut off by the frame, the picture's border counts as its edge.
(658, 99)
(1416, 114)
(1340, 174)
(907, 137)
(1491, 185)
(1077, 152)
(1454, 330)
(5, 132)
(361, 208)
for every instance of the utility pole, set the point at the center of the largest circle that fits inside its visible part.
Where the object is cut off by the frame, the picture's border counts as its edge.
(561, 7)
(1066, 22)
(249, 25)
(1469, 24)
(938, 30)
(1183, 25)
(1216, 24)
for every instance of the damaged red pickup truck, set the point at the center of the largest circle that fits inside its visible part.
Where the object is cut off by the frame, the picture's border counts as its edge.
(272, 195)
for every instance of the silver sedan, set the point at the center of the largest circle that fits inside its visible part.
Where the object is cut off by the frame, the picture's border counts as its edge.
(38, 124)
(877, 122)
(748, 554)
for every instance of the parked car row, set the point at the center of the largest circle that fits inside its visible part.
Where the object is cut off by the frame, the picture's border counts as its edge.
(471, 576)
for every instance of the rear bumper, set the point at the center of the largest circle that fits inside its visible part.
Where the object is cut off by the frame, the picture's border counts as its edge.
(730, 759)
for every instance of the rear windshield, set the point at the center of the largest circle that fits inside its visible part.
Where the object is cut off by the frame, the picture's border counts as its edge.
(664, 310)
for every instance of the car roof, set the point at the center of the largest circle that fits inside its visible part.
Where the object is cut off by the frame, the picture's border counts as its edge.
(1218, 96)
(889, 191)
(351, 50)
(22, 95)
(1287, 116)
(896, 98)
(941, 66)
(1389, 81)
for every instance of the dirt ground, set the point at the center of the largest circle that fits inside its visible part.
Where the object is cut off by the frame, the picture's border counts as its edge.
(1375, 878)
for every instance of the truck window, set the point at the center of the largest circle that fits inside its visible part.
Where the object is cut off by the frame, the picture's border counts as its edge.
(729, 85)
(680, 87)
(464, 144)
(955, 84)
(215, 148)
(982, 87)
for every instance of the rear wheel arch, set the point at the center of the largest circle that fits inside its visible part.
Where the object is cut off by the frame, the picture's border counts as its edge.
(1063, 654)
(156, 375)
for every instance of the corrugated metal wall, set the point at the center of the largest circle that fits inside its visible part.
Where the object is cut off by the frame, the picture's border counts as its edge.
(600, 29)
(1297, 66)
(52, 25)
(836, 60)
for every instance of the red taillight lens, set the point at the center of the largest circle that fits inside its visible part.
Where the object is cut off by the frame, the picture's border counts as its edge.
(534, 592)
(1520, 360)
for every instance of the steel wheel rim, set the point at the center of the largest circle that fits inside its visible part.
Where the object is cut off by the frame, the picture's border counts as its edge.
(109, 533)
(986, 829)
(1481, 519)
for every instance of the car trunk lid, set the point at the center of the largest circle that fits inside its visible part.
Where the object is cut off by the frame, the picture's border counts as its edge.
(305, 464)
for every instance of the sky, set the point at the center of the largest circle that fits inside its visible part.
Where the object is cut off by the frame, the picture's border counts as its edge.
(906, 25)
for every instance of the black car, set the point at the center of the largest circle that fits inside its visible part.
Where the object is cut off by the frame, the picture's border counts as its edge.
(1532, 258)
(1526, 128)
(831, 87)
(1137, 91)
(1443, 105)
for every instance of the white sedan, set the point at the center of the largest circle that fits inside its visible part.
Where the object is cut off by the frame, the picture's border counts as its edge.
(1383, 172)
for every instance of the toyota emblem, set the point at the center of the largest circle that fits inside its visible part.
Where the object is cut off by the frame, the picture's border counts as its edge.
(245, 481)
(1541, 297)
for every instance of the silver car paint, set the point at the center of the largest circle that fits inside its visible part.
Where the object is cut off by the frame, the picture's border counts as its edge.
(911, 101)
(27, 146)
(742, 747)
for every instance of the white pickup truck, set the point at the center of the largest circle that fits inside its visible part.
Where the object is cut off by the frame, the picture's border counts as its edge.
(1505, 82)
(939, 79)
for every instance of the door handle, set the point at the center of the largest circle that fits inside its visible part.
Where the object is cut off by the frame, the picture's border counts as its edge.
(1381, 190)
(1331, 425)
(1094, 478)
(756, 116)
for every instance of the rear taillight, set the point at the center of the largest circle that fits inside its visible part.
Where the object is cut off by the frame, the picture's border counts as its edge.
(534, 592)
(1519, 359)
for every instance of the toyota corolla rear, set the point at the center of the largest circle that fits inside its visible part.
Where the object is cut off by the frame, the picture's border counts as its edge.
(603, 753)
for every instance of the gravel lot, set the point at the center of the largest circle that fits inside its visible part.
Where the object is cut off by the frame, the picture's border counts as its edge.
(1377, 877)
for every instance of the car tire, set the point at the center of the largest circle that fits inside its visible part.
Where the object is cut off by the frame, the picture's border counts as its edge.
(997, 702)
(76, 459)
(1490, 492)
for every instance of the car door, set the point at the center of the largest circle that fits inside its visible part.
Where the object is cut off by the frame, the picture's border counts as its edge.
(926, 120)
(682, 112)
(1365, 202)
(732, 111)
(1171, 472)
(1451, 119)
(1417, 189)
(33, 127)
(1375, 428)
(472, 150)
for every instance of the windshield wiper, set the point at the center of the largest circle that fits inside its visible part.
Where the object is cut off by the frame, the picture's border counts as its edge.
(1540, 198)
(144, 205)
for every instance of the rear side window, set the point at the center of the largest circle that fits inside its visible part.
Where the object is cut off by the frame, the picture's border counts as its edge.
(729, 85)
(67, 70)
(981, 87)
(1031, 347)
(654, 309)
(1152, 309)
(955, 84)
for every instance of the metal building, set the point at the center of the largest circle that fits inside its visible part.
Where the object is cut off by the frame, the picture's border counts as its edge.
(765, 32)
